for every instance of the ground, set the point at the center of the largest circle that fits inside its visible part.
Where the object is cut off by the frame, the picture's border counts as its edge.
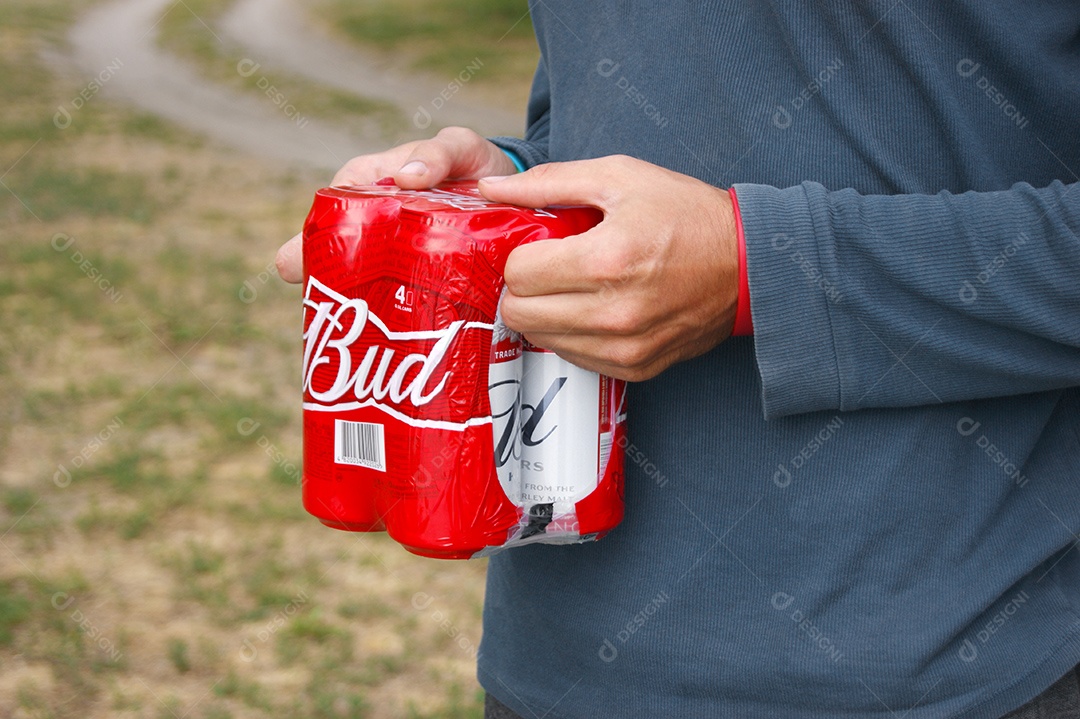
(154, 557)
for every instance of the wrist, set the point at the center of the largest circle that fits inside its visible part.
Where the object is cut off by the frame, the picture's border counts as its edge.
(519, 164)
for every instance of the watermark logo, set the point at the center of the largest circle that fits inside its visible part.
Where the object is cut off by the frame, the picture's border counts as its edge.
(782, 601)
(968, 290)
(967, 68)
(422, 602)
(607, 68)
(62, 243)
(608, 652)
(61, 601)
(967, 426)
(969, 650)
(249, 649)
(423, 118)
(782, 477)
(782, 242)
(247, 68)
(63, 118)
(783, 118)
(247, 427)
(636, 456)
(62, 476)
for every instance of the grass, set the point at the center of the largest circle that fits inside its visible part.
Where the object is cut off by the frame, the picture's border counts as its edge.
(19, 500)
(459, 706)
(247, 692)
(145, 537)
(52, 193)
(185, 32)
(14, 610)
(45, 18)
(442, 36)
(178, 655)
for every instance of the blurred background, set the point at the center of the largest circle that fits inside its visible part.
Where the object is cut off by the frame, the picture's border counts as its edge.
(155, 560)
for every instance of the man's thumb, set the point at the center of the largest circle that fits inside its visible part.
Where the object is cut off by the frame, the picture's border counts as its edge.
(290, 261)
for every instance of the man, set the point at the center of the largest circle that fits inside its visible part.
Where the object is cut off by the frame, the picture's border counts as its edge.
(871, 507)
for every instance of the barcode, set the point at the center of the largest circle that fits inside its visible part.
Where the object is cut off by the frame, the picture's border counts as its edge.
(606, 439)
(359, 443)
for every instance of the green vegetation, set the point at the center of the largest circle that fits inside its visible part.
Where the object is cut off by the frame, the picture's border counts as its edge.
(442, 35)
(14, 610)
(45, 18)
(53, 193)
(458, 707)
(186, 32)
(156, 559)
(178, 655)
(19, 500)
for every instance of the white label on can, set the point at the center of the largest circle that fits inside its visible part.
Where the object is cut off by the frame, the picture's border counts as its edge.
(560, 432)
(504, 387)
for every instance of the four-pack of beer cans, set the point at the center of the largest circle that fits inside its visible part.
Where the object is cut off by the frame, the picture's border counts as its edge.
(424, 415)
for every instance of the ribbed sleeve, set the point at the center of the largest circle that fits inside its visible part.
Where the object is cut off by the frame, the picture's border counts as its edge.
(893, 301)
(788, 308)
(531, 153)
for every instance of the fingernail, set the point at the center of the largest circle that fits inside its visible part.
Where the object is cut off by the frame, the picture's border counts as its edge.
(494, 178)
(416, 167)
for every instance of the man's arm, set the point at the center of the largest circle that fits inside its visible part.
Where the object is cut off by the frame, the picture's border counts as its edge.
(893, 301)
(885, 301)
(655, 283)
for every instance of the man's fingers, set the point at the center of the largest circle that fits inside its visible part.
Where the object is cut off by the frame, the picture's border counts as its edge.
(621, 357)
(551, 266)
(426, 168)
(290, 261)
(455, 152)
(556, 314)
(584, 182)
(366, 169)
(579, 313)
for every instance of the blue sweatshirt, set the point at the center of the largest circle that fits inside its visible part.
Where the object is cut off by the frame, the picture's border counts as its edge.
(872, 507)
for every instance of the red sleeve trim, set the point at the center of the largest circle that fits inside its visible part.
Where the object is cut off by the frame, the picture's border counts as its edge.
(744, 324)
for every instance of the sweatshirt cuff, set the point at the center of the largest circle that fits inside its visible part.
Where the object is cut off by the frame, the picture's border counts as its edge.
(528, 153)
(786, 266)
(744, 323)
(514, 158)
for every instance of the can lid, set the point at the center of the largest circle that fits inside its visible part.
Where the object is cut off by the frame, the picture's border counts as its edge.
(455, 195)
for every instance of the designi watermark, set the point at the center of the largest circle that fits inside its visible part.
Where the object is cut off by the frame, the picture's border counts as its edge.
(967, 426)
(783, 118)
(607, 68)
(423, 117)
(63, 116)
(608, 652)
(62, 475)
(782, 601)
(967, 68)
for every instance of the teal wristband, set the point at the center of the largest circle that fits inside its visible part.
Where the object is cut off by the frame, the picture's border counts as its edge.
(514, 159)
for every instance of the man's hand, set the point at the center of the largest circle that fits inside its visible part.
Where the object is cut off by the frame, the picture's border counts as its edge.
(455, 153)
(655, 283)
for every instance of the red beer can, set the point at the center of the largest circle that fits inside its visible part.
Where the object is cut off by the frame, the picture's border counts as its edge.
(418, 414)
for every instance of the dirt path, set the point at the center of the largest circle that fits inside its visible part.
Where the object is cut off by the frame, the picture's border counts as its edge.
(125, 32)
(122, 35)
(279, 32)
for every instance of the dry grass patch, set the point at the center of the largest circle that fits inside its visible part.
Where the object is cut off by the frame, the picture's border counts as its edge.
(154, 557)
